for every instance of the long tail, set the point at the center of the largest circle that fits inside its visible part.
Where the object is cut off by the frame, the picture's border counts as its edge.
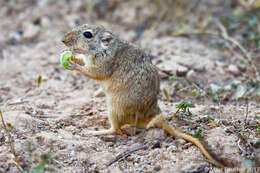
(160, 123)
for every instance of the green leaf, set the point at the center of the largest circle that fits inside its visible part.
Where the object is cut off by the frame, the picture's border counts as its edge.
(241, 136)
(197, 132)
(207, 118)
(184, 104)
(173, 77)
(41, 166)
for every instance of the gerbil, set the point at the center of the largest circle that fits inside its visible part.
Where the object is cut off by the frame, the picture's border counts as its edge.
(130, 80)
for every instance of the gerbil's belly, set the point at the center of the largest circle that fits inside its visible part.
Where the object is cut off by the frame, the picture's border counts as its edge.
(138, 120)
(133, 111)
(136, 115)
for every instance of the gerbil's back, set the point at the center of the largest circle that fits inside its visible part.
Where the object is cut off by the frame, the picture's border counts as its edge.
(136, 80)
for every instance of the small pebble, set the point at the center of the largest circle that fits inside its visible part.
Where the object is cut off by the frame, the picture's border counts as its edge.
(108, 138)
(44, 22)
(191, 76)
(230, 129)
(200, 68)
(30, 31)
(110, 144)
(99, 93)
(181, 71)
(130, 159)
(157, 168)
(163, 75)
(256, 142)
(180, 141)
(225, 122)
(172, 148)
(187, 145)
(233, 69)
(156, 144)
(242, 67)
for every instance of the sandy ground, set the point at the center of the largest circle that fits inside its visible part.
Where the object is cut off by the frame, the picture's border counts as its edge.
(55, 116)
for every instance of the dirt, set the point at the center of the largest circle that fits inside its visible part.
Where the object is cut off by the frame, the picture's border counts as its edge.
(55, 115)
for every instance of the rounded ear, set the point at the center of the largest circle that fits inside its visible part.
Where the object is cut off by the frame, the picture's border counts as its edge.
(107, 37)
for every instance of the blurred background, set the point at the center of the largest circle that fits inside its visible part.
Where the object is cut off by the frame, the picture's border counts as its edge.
(207, 53)
(35, 27)
(168, 17)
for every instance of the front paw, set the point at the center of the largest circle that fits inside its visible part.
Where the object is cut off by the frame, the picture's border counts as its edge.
(71, 65)
(70, 62)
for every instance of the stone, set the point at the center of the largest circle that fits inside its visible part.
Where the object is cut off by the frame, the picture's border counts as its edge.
(181, 70)
(200, 68)
(99, 93)
(233, 69)
(242, 67)
(30, 31)
(157, 168)
(44, 21)
(156, 144)
(191, 76)
(163, 75)
(172, 148)
(256, 142)
(180, 141)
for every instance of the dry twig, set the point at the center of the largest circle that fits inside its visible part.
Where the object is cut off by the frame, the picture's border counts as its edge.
(8, 134)
(127, 153)
(224, 34)
(245, 53)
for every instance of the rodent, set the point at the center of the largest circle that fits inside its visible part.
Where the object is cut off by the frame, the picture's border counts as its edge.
(130, 80)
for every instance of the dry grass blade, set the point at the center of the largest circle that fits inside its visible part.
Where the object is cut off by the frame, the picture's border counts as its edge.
(39, 81)
(8, 134)
(11, 142)
(246, 110)
(166, 95)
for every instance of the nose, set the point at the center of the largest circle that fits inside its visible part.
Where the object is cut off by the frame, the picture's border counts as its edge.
(69, 38)
(63, 40)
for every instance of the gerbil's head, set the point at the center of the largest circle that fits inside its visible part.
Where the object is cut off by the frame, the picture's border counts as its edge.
(87, 39)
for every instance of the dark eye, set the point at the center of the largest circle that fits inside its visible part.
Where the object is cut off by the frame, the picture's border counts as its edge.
(88, 34)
